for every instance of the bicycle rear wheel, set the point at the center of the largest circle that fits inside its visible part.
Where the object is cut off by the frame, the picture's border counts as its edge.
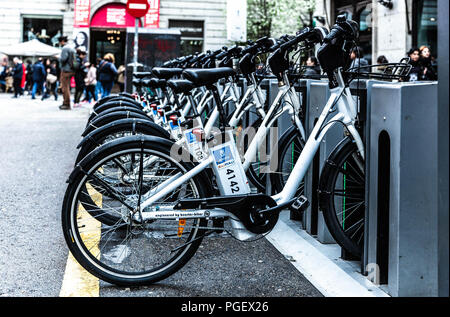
(130, 251)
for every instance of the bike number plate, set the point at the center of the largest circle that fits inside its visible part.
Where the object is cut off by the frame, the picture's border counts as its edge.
(228, 169)
(195, 147)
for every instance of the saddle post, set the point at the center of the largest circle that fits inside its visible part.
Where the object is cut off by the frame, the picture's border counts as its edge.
(223, 122)
(193, 103)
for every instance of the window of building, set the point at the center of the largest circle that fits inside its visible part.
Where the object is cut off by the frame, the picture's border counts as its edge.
(192, 35)
(361, 12)
(425, 24)
(44, 28)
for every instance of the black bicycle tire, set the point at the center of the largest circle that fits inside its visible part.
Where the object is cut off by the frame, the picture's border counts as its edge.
(70, 233)
(95, 139)
(113, 116)
(109, 98)
(117, 102)
(283, 146)
(115, 109)
(327, 182)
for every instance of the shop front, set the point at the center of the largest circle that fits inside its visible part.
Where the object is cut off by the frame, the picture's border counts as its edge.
(101, 27)
(424, 26)
(107, 32)
(361, 12)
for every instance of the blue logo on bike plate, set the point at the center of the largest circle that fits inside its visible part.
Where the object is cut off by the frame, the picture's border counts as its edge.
(223, 155)
(190, 137)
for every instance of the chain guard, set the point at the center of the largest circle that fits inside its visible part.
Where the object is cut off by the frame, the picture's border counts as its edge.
(245, 207)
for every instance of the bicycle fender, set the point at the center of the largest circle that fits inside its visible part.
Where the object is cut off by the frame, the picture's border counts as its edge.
(131, 122)
(139, 139)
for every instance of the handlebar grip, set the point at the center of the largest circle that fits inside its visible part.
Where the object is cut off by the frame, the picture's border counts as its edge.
(303, 35)
(222, 55)
(249, 49)
(335, 32)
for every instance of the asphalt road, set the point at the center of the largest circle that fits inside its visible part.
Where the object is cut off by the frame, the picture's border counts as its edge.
(37, 152)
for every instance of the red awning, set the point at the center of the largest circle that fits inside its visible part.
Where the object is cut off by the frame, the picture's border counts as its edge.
(113, 15)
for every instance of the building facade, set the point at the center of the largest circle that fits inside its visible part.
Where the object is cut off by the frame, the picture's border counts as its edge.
(387, 27)
(203, 24)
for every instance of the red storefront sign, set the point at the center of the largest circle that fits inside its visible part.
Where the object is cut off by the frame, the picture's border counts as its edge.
(113, 15)
(82, 13)
(151, 19)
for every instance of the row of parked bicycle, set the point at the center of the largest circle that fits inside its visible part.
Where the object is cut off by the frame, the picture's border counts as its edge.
(180, 160)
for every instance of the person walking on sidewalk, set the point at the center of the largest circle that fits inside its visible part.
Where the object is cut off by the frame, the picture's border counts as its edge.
(39, 77)
(52, 79)
(67, 61)
(80, 74)
(24, 79)
(29, 77)
(17, 73)
(91, 82)
(107, 72)
(121, 77)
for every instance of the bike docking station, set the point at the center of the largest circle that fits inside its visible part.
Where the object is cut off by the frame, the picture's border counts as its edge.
(339, 172)
(402, 237)
(397, 122)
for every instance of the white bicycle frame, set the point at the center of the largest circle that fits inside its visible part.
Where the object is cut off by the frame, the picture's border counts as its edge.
(291, 105)
(340, 101)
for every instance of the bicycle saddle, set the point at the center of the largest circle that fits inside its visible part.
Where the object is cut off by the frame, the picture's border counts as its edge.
(180, 85)
(204, 77)
(154, 83)
(137, 82)
(140, 75)
(166, 73)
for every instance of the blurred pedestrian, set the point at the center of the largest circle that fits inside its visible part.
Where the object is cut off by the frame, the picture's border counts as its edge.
(428, 70)
(4, 72)
(39, 77)
(414, 60)
(381, 60)
(29, 77)
(24, 78)
(98, 86)
(67, 60)
(17, 73)
(52, 79)
(121, 77)
(356, 55)
(312, 68)
(91, 82)
(9, 80)
(107, 73)
(80, 74)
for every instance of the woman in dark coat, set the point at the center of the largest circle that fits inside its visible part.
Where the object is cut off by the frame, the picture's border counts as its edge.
(17, 73)
(107, 73)
(428, 70)
(80, 74)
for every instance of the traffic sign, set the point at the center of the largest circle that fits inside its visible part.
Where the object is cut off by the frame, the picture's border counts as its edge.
(137, 8)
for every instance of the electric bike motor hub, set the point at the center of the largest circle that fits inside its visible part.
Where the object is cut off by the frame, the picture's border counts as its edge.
(259, 222)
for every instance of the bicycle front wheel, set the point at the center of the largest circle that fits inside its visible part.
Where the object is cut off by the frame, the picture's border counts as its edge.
(131, 251)
(342, 196)
(290, 147)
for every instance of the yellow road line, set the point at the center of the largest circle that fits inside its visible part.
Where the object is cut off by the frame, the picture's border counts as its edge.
(77, 281)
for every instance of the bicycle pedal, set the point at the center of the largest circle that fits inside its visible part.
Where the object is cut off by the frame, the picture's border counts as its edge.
(300, 204)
